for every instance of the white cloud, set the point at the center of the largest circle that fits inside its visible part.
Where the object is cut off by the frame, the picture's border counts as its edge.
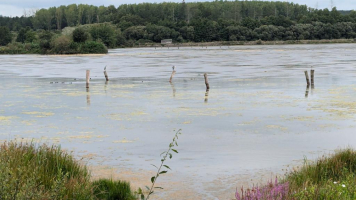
(9, 10)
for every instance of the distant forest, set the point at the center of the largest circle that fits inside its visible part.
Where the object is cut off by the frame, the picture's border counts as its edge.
(130, 24)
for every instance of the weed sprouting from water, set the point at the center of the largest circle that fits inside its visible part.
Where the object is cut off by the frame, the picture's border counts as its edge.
(159, 171)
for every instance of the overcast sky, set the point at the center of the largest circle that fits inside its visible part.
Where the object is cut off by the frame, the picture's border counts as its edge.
(17, 7)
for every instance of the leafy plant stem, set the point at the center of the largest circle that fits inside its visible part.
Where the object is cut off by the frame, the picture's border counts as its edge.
(162, 162)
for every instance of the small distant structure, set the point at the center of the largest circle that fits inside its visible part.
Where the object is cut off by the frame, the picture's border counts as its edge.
(167, 41)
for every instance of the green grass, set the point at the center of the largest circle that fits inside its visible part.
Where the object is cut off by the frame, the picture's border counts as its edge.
(112, 190)
(28, 171)
(332, 177)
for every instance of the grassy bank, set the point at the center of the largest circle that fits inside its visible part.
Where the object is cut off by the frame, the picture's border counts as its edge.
(28, 171)
(332, 177)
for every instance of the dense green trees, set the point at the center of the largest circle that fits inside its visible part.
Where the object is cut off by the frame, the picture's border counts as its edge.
(183, 22)
(26, 35)
(5, 36)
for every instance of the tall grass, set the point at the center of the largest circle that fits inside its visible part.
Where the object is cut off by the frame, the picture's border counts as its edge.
(112, 190)
(332, 177)
(28, 171)
(329, 177)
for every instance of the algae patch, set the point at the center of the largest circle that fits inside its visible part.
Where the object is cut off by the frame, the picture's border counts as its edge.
(39, 114)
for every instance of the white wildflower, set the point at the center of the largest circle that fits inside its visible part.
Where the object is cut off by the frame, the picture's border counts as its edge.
(343, 185)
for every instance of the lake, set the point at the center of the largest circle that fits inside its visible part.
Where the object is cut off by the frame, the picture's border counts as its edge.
(257, 120)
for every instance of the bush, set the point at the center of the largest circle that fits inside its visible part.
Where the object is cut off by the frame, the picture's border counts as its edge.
(112, 190)
(105, 33)
(80, 36)
(61, 45)
(93, 47)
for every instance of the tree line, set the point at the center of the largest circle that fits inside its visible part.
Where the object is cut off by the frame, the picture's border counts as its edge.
(192, 22)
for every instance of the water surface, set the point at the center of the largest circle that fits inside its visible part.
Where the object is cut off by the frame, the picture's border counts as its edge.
(256, 118)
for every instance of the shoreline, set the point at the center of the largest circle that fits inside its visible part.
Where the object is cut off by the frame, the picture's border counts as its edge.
(246, 43)
(207, 44)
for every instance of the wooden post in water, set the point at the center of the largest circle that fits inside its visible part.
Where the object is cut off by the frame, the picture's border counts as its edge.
(206, 81)
(173, 73)
(88, 78)
(307, 77)
(312, 77)
(106, 75)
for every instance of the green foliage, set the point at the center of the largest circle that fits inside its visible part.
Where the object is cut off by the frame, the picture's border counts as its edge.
(93, 47)
(19, 48)
(45, 38)
(5, 36)
(113, 190)
(30, 36)
(129, 25)
(26, 35)
(135, 33)
(120, 39)
(61, 45)
(157, 33)
(28, 171)
(21, 36)
(43, 172)
(104, 33)
(331, 177)
(80, 36)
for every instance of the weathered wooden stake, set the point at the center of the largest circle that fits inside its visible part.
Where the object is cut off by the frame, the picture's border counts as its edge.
(106, 75)
(173, 73)
(307, 77)
(206, 81)
(88, 78)
(312, 76)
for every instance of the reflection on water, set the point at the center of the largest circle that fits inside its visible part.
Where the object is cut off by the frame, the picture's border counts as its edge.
(173, 89)
(206, 96)
(254, 119)
(307, 92)
(88, 96)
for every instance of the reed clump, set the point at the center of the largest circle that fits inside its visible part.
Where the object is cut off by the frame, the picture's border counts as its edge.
(30, 171)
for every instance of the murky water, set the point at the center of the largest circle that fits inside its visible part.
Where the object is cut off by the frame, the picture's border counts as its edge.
(255, 119)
